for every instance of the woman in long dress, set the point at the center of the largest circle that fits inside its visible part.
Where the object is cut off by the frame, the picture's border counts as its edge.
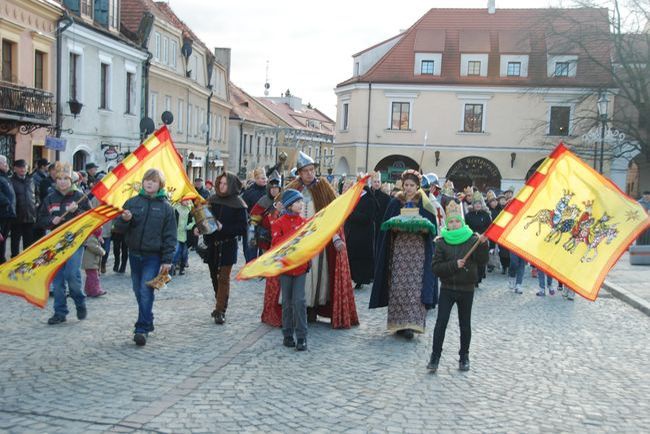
(404, 279)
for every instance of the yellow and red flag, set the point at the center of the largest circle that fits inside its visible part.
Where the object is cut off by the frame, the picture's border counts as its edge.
(30, 274)
(125, 181)
(308, 240)
(570, 222)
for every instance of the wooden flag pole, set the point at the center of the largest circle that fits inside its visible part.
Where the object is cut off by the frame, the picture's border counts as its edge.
(476, 244)
(85, 196)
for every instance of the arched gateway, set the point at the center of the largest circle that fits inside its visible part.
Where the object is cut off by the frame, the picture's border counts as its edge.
(475, 171)
(391, 167)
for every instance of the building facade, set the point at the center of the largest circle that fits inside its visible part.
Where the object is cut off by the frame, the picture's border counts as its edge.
(477, 96)
(28, 80)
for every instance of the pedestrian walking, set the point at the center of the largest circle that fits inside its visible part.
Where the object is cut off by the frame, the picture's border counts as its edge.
(478, 220)
(91, 263)
(120, 249)
(7, 205)
(545, 282)
(382, 202)
(516, 273)
(458, 275)
(184, 224)
(251, 195)
(294, 307)
(149, 226)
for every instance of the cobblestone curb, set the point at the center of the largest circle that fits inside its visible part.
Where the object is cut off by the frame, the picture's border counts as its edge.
(627, 297)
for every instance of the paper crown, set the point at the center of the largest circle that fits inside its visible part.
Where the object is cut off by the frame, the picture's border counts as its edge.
(477, 197)
(448, 188)
(454, 210)
(490, 195)
(63, 170)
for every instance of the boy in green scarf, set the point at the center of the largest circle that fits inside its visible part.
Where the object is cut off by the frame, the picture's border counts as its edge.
(458, 278)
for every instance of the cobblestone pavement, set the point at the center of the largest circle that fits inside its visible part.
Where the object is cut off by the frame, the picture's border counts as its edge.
(538, 365)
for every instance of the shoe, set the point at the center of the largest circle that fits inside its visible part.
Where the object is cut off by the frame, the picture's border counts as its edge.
(172, 270)
(570, 296)
(122, 270)
(512, 282)
(289, 342)
(302, 344)
(463, 364)
(82, 313)
(181, 272)
(56, 319)
(140, 339)
(565, 292)
(311, 315)
(219, 317)
(504, 270)
(541, 293)
(358, 286)
(102, 268)
(115, 269)
(518, 289)
(433, 363)
(101, 293)
(408, 334)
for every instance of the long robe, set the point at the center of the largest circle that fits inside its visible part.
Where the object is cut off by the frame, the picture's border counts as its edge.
(360, 237)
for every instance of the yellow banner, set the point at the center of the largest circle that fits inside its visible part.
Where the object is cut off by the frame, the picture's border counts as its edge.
(30, 274)
(125, 181)
(570, 222)
(309, 239)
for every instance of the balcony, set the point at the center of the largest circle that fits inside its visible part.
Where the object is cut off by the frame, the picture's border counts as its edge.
(24, 105)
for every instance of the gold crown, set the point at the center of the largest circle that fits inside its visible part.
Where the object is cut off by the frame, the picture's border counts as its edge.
(454, 209)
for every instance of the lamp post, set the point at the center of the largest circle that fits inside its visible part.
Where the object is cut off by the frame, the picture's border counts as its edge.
(602, 113)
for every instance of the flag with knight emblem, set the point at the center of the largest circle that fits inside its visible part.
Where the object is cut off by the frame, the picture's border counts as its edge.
(570, 222)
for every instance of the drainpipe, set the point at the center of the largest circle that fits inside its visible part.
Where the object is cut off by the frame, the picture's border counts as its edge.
(241, 138)
(368, 126)
(144, 109)
(207, 135)
(67, 21)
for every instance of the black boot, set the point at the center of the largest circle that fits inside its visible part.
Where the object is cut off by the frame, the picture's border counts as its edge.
(463, 363)
(302, 344)
(181, 270)
(433, 363)
(289, 342)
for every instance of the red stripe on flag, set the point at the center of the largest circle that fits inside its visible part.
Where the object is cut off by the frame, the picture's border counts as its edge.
(515, 206)
(163, 134)
(120, 171)
(141, 152)
(99, 190)
(494, 232)
(559, 150)
(536, 180)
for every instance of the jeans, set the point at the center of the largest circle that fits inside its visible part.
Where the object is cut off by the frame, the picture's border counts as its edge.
(18, 231)
(463, 300)
(294, 306)
(517, 268)
(180, 255)
(544, 280)
(143, 269)
(70, 273)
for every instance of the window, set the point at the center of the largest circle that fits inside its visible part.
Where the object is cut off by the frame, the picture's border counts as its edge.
(87, 8)
(153, 106)
(514, 69)
(173, 49)
(259, 141)
(562, 69)
(266, 146)
(179, 116)
(357, 68)
(104, 86)
(473, 120)
(219, 128)
(8, 64)
(427, 67)
(165, 50)
(474, 67)
(559, 125)
(346, 113)
(156, 52)
(400, 118)
(189, 119)
(39, 71)
(114, 14)
(75, 75)
(168, 103)
(130, 92)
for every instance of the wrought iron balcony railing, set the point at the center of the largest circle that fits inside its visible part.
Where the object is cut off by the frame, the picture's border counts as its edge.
(25, 103)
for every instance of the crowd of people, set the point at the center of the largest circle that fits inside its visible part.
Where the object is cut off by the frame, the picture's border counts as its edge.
(437, 259)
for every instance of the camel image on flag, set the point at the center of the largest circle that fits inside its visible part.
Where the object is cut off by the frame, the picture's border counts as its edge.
(570, 222)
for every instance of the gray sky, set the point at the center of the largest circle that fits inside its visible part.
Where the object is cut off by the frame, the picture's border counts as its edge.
(308, 44)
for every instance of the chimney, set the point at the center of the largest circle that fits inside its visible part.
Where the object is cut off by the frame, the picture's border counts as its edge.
(492, 6)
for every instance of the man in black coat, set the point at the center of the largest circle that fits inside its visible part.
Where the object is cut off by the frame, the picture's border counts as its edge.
(382, 202)
(251, 195)
(23, 226)
(7, 205)
(478, 219)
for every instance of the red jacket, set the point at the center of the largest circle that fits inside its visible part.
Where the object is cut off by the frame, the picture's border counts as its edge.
(284, 227)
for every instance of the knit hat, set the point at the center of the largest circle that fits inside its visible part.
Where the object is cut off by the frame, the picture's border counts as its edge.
(290, 196)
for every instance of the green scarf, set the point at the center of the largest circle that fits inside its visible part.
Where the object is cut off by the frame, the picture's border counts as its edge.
(162, 193)
(457, 236)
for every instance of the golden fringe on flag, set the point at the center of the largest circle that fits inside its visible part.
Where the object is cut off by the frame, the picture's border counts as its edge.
(30, 274)
(570, 222)
(125, 181)
(309, 239)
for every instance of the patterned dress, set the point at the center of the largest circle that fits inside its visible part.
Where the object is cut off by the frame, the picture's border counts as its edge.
(405, 307)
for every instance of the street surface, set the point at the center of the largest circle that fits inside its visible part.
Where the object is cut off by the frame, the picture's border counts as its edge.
(538, 365)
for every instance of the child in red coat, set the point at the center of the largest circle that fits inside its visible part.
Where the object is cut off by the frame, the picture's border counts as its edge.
(294, 307)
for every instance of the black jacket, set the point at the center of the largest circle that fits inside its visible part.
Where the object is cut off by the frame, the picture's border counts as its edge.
(7, 198)
(252, 194)
(445, 264)
(152, 229)
(54, 205)
(25, 204)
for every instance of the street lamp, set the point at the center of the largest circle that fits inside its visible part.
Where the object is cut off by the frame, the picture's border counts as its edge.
(602, 113)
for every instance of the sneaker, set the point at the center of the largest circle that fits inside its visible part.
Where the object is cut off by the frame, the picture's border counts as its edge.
(463, 364)
(571, 295)
(82, 313)
(518, 289)
(433, 363)
(140, 339)
(181, 271)
(408, 334)
(56, 319)
(302, 344)
(512, 282)
(289, 342)
(541, 293)
(551, 290)
(102, 268)
(565, 292)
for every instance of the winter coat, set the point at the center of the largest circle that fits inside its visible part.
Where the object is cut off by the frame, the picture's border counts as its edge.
(45, 187)
(478, 221)
(382, 204)
(7, 198)
(252, 194)
(184, 222)
(55, 204)
(445, 264)
(25, 204)
(93, 253)
(284, 227)
(152, 229)
(222, 244)
(360, 238)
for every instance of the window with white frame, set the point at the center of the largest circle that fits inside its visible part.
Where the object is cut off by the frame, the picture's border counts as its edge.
(105, 86)
(114, 14)
(474, 67)
(130, 93)
(173, 53)
(427, 63)
(514, 69)
(86, 8)
(514, 65)
(473, 118)
(426, 67)
(179, 115)
(156, 49)
(153, 106)
(562, 66)
(400, 118)
(345, 116)
(561, 69)
(165, 50)
(560, 118)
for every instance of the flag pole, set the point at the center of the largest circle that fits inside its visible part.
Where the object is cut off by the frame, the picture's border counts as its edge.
(424, 145)
(476, 244)
(85, 196)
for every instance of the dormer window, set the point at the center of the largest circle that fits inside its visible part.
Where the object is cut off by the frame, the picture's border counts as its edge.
(561, 69)
(86, 8)
(427, 63)
(561, 66)
(514, 69)
(426, 67)
(514, 65)
(474, 67)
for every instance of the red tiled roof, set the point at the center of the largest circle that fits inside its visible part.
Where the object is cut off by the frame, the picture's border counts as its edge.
(178, 23)
(247, 107)
(588, 25)
(299, 119)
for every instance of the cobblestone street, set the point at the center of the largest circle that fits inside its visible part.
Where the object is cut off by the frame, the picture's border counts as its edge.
(538, 364)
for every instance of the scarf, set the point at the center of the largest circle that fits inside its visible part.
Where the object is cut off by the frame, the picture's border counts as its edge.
(161, 194)
(457, 236)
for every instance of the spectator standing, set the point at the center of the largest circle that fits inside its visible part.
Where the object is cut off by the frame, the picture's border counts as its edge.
(91, 263)
(251, 195)
(7, 205)
(22, 228)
